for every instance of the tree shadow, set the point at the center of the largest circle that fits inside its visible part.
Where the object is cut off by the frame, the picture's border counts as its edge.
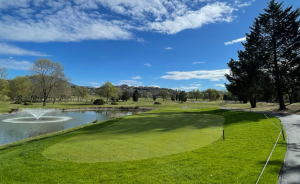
(170, 121)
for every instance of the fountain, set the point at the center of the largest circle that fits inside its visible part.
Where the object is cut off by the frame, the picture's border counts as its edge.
(37, 116)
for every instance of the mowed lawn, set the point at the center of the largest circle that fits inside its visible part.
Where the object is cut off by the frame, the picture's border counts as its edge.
(138, 137)
(238, 159)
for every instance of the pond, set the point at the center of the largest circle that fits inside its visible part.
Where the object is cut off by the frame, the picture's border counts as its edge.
(18, 126)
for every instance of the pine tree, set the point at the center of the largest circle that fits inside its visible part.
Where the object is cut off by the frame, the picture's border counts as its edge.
(280, 28)
(135, 96)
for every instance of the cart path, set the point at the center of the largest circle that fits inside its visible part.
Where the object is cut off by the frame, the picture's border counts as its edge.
(290, 172)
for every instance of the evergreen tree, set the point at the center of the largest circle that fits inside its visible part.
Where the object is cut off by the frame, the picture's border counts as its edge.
(125, 96)
(280, 28)
(135, 96)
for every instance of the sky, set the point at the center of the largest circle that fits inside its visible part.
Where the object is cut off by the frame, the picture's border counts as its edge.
(179, 44)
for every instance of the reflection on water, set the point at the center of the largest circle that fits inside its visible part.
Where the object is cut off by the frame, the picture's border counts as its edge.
(11, 132)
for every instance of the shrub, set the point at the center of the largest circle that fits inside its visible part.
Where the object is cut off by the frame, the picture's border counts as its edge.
(18, 102)
(157, 103)
(114, 103)
(14, 110)
(28, 103)
(99, 102)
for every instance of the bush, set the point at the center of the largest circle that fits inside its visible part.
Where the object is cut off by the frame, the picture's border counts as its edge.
(14, 110)
(157, 103)
(28, 103)
(114, 103)
(18, 102)
(99, 102)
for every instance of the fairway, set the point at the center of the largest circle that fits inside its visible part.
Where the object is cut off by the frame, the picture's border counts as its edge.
(138, 137)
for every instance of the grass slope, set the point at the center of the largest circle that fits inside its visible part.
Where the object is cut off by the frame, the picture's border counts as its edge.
(143, 136)
(238, 159)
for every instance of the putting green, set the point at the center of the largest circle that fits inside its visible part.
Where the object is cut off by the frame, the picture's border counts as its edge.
(141, 136)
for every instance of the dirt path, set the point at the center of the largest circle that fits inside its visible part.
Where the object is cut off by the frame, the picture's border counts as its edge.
(290, 172)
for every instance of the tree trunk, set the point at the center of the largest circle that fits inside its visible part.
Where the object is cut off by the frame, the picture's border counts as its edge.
(253, 102)
(44, 102)
(54, 100)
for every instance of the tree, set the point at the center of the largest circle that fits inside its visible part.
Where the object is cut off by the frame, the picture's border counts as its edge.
(108, 90)
(135, 96)
(3, 73)
(280, 29)
(20, 88)
(198, 94)
(154, 97)
(183, 96)
(4, 88)
(125, 96)
(50, 74)
(148, 95)
(164, 94)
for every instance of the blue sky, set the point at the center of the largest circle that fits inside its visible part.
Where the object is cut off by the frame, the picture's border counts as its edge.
(182, 44)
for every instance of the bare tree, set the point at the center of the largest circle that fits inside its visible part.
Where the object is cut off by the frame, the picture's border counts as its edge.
(3, 73)
(49, 75)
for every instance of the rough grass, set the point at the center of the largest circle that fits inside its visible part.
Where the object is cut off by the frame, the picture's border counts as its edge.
(238, 159)
(148, 135)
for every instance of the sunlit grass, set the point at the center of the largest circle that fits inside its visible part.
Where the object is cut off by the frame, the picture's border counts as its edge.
(238, 159)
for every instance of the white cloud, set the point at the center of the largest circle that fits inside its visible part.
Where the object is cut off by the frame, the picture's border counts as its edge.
(156, 86)
(130, 82)
(195, 85)
(186, 88)
(198, 62)
(220, 85)
(213, 75)
(236, 41)
(147, 64)
(77, 20)
(211, 13)
(137, 77)
(169, 48)
(95, 83)
(6, 49)
(10, 57)
(240, 5)
(13, 64)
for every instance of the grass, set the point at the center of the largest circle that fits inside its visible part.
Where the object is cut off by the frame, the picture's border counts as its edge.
(138, 137)
(238, 159)
(266, 107)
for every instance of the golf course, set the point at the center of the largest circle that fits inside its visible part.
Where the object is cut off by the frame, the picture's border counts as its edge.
(179, 144)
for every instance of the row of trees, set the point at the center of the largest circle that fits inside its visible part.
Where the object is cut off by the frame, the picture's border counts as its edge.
(270, 60)
(47, 81)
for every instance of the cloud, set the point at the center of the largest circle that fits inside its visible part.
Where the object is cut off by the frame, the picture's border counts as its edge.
(137, 77)
(236, 41)
(195, 85)
(198, 63)
(130, 82)
(156, 86)
(186, 88)
(240, 5)
(211, 13)
(13, 64)
(147, 64)
(213, 75)
(169, 48)
(95, 83)
(6, 49)
(77, 20)
(220, 85)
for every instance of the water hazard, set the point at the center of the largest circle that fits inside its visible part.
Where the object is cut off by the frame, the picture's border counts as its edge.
(14, 127)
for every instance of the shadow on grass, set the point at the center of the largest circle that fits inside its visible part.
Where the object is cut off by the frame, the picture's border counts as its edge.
(161, 121)
(169, 121)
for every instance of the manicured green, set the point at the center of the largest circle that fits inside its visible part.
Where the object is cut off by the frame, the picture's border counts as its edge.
(238, 159)
(138, 137)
